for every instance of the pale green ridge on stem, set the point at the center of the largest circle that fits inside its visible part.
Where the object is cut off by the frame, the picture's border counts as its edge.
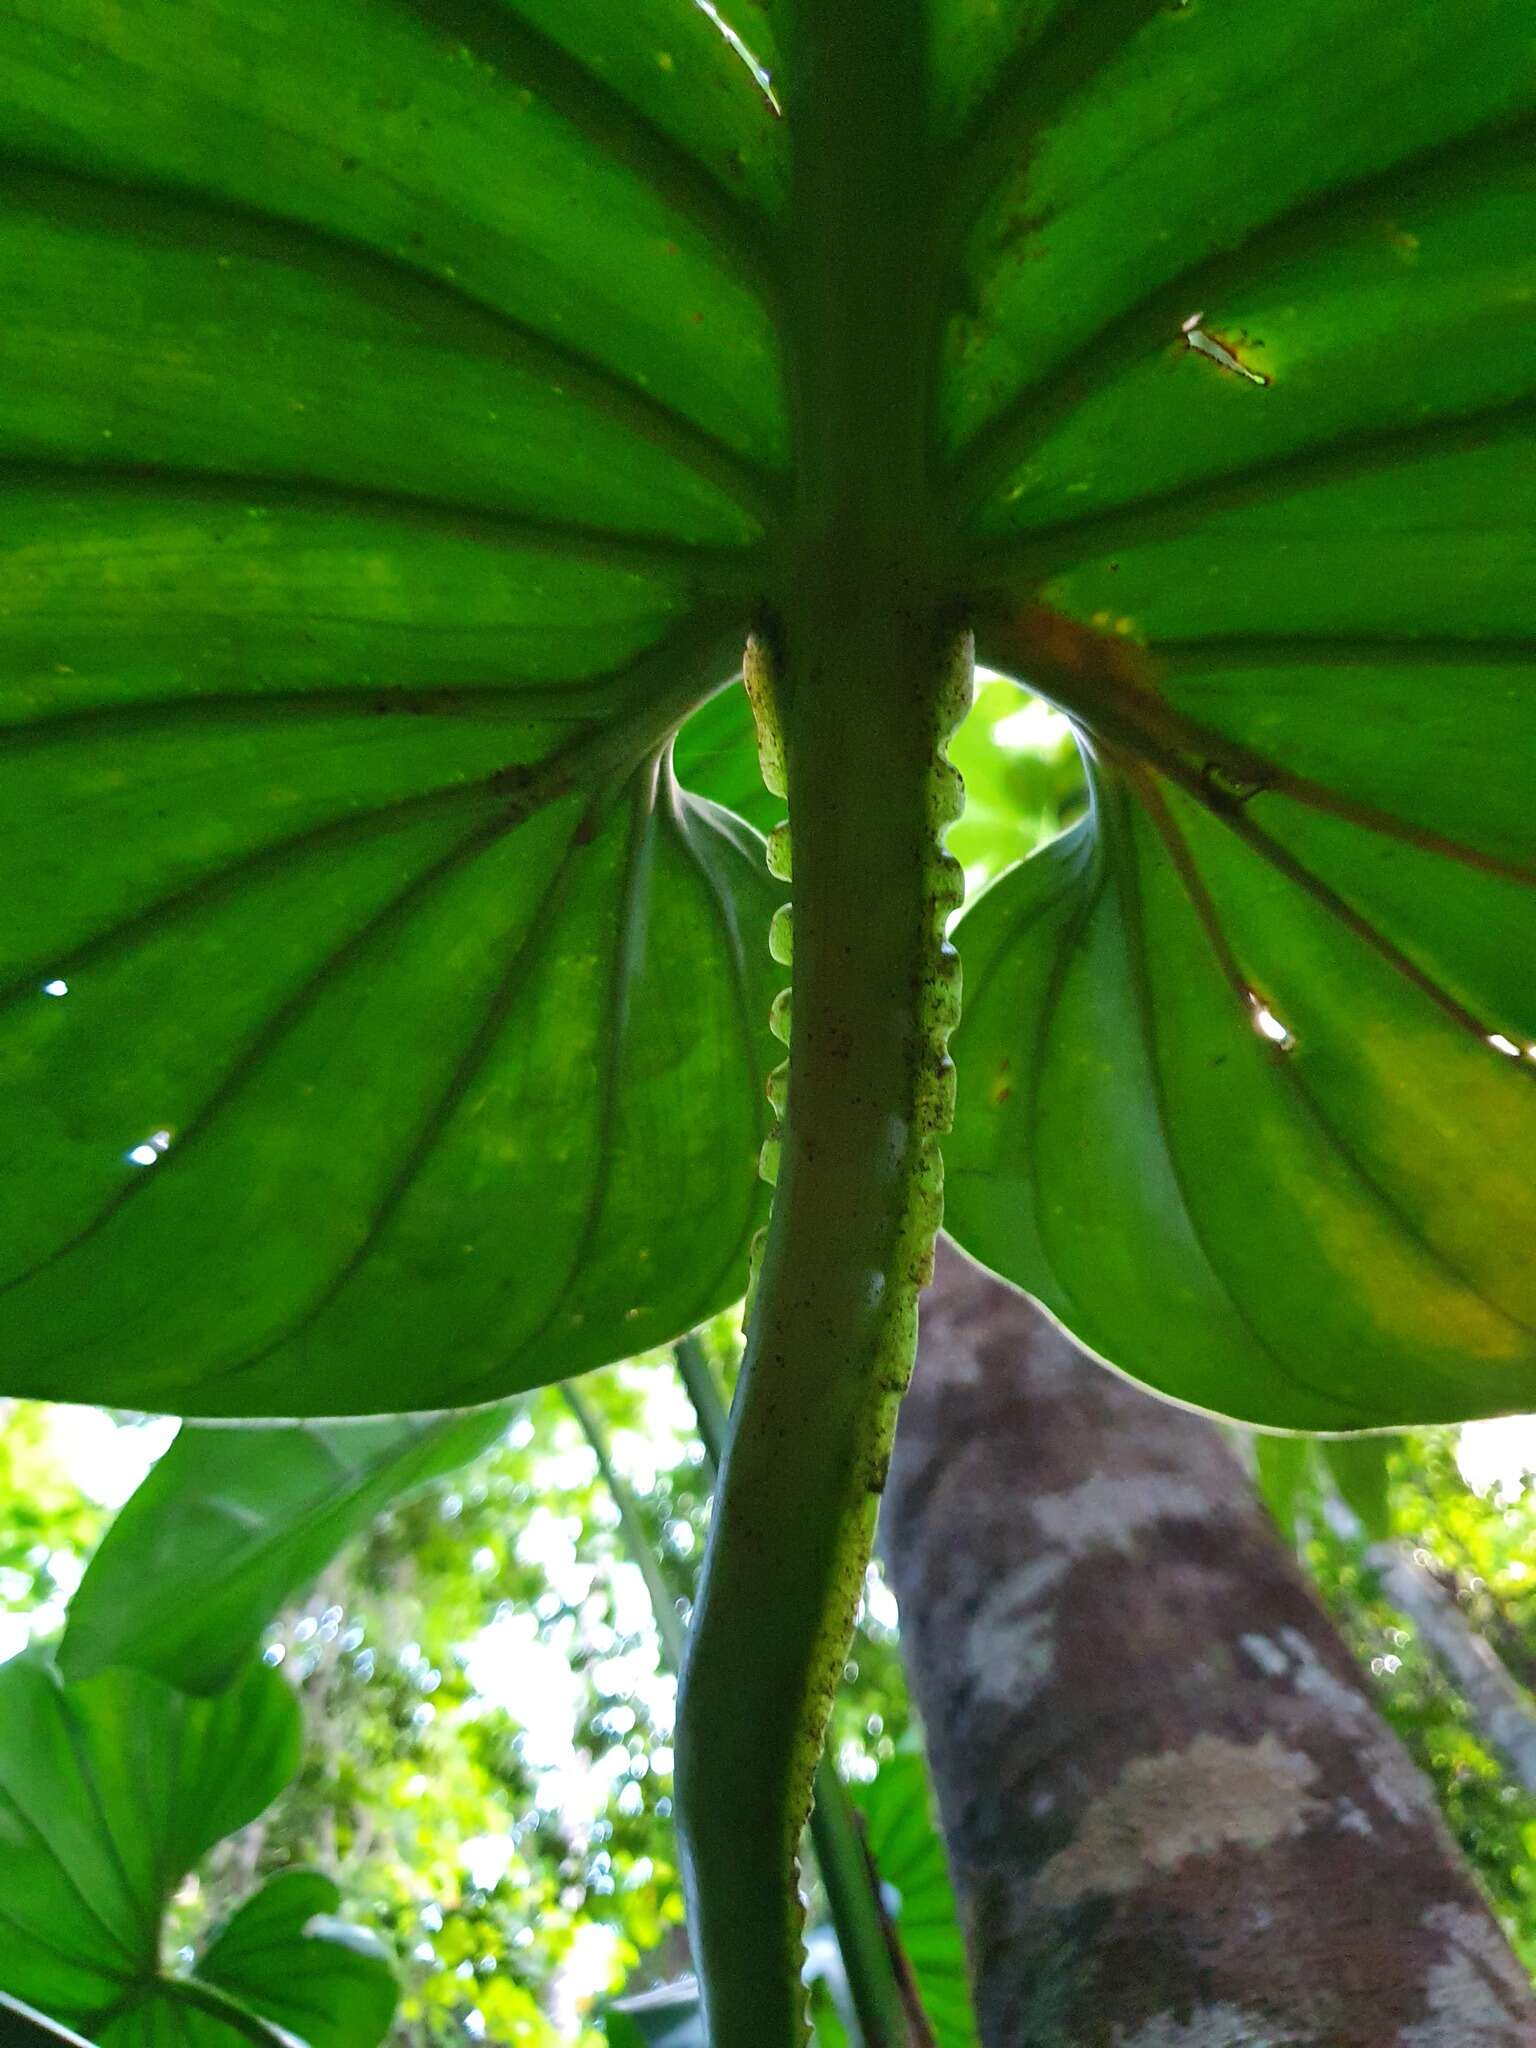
(833, 1326)
(848, 1876)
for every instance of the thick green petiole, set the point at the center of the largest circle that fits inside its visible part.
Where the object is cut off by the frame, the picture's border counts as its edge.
(848, 1877)
(833, 1325)
(860, 670)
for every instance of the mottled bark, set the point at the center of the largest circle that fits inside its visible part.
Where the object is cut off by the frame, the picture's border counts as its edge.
(1174, 1816)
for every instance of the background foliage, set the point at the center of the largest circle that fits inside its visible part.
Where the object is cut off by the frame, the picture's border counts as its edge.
(486, 1652)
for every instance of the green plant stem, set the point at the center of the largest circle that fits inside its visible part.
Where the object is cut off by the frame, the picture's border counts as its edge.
(833, 1325)
(851, 1894)
(708, 1408)
(669, 1625)
(858, 1916)
(206, 1998)
(864, 664)
(853, 1897)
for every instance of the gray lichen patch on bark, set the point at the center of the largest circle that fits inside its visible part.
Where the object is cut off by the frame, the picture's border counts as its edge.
(1010, 1643)
(1290, 1659)
(1174, 1817)
(1468, 1993)
(1212, 2026)
(1109, 1512)
(1161, 1810)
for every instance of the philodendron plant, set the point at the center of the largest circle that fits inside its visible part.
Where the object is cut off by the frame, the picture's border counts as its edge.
(414, 412)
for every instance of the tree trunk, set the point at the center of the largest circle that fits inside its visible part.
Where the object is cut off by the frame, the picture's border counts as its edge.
(1174, 1817)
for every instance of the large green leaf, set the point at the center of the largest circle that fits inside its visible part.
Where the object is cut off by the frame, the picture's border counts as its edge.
(388, 414)
(406, 409)
(109, 1792)
(285, 1955)
(1246, 1095)
(231, 1523)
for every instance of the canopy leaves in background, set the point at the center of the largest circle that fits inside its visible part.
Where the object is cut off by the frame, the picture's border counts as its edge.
(231, 1523)
(110, 1791)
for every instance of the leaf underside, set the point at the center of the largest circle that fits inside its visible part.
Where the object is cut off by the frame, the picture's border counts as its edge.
(394, 454)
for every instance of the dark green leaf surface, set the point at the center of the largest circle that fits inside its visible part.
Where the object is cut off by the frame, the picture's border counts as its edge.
(716, 756)
(1247, 1098)
(109, 1792)
(908, 1852)
(389, 412)
(669, 2018)
(1294, 1229)
(231, 1523)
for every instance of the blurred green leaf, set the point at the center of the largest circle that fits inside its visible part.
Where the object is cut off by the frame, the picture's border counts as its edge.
(286, 1956)
(1360, 1469)
(231, 1523)
(671, 2017)
(1281, 1466)
(1023, 778)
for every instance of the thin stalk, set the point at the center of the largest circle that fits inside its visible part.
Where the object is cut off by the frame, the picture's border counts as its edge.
(857, 1913)
(859, 1919)
(708, 1408)
(669, 1625)
(229, 2012)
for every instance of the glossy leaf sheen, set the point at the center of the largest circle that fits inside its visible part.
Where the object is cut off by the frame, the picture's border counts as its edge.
(109, 1792)
(231, 1523)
